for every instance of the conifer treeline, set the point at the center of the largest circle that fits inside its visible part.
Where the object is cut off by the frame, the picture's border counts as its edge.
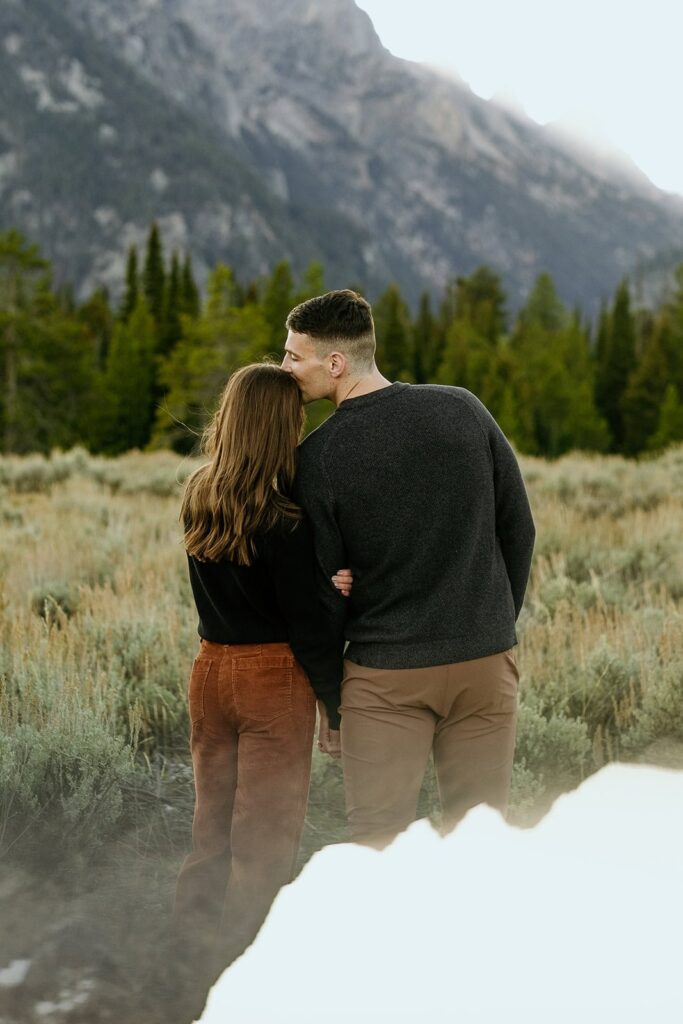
(147, 373)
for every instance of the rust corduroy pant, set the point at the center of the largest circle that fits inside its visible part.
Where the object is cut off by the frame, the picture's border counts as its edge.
(253, 717)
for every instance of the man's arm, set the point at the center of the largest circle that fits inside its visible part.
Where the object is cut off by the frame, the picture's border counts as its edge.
(514, 523)
(290, 555)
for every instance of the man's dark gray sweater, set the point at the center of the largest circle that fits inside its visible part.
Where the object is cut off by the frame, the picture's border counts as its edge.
(416, 489)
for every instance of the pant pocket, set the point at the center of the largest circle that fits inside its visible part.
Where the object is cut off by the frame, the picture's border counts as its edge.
(198, 677)
(262, 686)
(507, 688)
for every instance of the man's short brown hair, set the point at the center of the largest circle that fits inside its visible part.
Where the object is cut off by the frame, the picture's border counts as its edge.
(338, 320)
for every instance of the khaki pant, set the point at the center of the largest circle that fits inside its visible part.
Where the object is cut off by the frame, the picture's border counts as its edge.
(392, 719)
(253, 717)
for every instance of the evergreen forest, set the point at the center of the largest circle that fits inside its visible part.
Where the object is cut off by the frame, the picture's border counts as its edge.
(145, 373)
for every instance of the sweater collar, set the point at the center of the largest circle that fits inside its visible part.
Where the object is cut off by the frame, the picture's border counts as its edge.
(372, 397)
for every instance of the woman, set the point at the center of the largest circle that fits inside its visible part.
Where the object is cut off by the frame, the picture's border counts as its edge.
(266, 653)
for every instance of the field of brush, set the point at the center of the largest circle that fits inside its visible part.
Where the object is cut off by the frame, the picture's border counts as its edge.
(98, 632)
(97, 636)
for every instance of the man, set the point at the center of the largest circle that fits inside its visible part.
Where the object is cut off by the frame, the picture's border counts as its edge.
(418, 491)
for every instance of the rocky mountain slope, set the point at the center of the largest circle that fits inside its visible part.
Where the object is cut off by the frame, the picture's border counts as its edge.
(259, 129)
(91, 152)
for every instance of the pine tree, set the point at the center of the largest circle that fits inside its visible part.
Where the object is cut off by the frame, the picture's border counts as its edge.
(670, 426)
(249, 294)
(65, 297)
(171, 323)
(602, 338)
(674, 311)
(507, 417)
(583, 427)
(22, 270)
(458, 349)
(189, 292)
(132, 286)
(543, 306)
(554, 378)
(481, 302)
(278, 300)
(57, 382)
(212, 346)
(312, 283)
(130, 382)
(96, 316)
(617, 363)
(221, 292)
(424, 340)
(642, 400)
(154, 277)
(443, 321)
(393, 332)
(501, 394)
(46, 356)
(477, 310)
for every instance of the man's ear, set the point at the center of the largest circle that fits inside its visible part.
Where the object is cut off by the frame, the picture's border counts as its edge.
(337, 364)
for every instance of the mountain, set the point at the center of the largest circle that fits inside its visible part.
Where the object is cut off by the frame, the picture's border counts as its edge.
(266, 129)
(91, 152)
(657, 280)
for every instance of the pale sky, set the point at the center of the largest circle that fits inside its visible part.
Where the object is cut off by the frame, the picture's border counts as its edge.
(611, 67)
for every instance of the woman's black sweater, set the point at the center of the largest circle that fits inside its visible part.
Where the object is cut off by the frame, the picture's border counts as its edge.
(274, 600)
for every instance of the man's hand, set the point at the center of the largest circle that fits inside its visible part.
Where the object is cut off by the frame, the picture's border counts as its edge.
(343, 581)
(329, 740)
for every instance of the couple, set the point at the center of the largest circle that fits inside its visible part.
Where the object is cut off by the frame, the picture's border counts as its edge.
(415, 491)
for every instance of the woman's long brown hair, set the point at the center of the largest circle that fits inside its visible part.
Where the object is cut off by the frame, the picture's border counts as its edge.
(251, 444)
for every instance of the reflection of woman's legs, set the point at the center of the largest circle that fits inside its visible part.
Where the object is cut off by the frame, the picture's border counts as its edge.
(203, 876)
(253, 717)
(276, 710)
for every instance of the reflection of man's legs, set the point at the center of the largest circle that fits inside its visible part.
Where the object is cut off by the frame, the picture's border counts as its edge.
(475, 739)
(251, 751)
(386, 736)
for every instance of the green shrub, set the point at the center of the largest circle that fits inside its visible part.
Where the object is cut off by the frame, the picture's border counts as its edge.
(161, 474)
(554, 747)
(661, 713)
(607, 693)
(10, 515)
(64, 781)
(32, 474)
(148, 676)
(52, 598)
(526, 789)
(604, 694)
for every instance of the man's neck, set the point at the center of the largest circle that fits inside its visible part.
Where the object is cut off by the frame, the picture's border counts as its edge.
(354, 387)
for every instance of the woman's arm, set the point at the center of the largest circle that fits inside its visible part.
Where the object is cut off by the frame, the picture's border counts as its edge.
(317, 645)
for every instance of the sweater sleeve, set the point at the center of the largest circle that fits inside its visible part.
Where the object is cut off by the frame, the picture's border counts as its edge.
(315, 643)
(514, 522)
